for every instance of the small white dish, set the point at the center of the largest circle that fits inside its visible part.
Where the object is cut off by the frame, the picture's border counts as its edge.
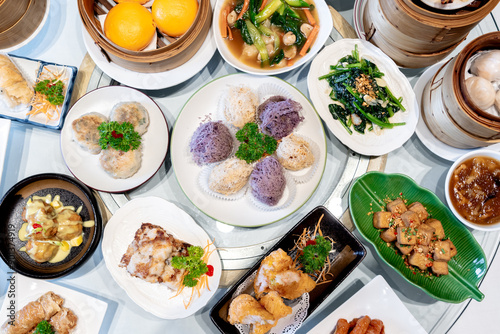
(325, 23)
(4, 140)
(241, 212)
(476, 153)
(155, 298)
(86, 167)
(157, 80)
(89, 310)
(378, 301)
(369, 143)
(456, 4)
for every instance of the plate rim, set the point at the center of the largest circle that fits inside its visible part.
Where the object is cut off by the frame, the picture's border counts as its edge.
(444, 207)
(96, 238)
(121, 189)
(256, 76)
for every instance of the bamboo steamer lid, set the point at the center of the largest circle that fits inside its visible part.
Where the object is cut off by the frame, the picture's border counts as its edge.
(165, 57)
(455, 16)
(20, 19)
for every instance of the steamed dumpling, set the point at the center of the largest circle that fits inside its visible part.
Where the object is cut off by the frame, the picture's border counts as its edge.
(487, 65)
(481, 92)
(497, 101)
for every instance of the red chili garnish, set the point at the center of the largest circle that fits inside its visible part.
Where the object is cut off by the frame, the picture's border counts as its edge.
(400, 194)
(116, 135)
(35, 226)
(210, 271)
(310, 242)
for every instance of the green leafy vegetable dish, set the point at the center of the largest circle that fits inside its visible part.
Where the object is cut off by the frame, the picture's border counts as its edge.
(254, 144)
(362, 100)
(193, 263)
(269, 33)
(121, 137)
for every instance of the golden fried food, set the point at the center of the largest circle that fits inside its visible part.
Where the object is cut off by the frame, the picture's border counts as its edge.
(274, 304)
(246, 310)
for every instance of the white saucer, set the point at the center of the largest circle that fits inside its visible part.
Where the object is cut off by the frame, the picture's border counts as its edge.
(152, 80)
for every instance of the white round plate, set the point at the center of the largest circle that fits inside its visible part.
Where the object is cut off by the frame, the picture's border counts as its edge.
(33, 35)
(86, 167)
(456, 4)
(203, 105)
(326, 25)
(155, 297)
(368, 143)
(152, 80)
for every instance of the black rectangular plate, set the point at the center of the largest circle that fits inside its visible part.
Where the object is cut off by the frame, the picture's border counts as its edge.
(349, 253)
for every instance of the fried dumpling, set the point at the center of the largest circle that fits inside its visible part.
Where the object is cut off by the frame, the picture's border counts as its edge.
(132, 112)
(15, 88)
(119, 164)
(246, 310)
(85, 131)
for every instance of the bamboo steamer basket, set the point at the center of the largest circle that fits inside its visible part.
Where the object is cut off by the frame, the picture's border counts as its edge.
(19, 20)
(165, 57)
(490, 41)
(414, 36)
(438, 119)
(400, 56)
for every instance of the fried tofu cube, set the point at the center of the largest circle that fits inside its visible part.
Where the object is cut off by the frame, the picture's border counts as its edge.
(425, 234)
(407, 235)
(453, 249)
(410, 219)
(442, 251)
(440, 267)
(381, 219)
(405, 249)
(419, 209)
(419, 260)
(388, 235)
(396, 206)
(438, 227)
(422, 249)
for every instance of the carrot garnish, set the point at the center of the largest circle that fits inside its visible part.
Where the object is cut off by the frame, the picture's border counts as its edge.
(246, 4)
(310, 40)
(264, 2)
(224, 23)
(309, 16)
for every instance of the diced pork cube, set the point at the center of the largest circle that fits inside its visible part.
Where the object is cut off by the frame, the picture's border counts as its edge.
(410, 219)
(407, 236)
(440, 267)
(381, 219)
(419, 260)
(396, 206)
(425, 234)
(453, 249)
(405, 249)
(436, 224)
(419, 209)
(442, 251)
(388, 235)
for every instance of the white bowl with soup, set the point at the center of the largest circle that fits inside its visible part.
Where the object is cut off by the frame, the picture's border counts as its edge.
(473, 189)
(248, 59)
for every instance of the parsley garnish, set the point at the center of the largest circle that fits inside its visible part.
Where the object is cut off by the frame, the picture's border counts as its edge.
(314, 256)
(253, 143)
(43, 327)
(121, 137)
(193, 264)
(52, 89)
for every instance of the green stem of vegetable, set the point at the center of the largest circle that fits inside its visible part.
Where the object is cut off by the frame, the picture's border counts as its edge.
(394, 99)
(298, 3)
(333, 73)
(355, 52)
(268, 10)
(353, 93)
(372, 118)
(344, 124)
(257, 41)
(268, 32)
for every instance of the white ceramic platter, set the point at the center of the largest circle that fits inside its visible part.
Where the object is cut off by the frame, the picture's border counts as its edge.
(90, 311)
(434, 145)
(120, 232)
(455, 4)
(325, 23)
(369, 143)
(4, 139)
(203, 105)
(86, 167)
(152, 80)
(33, 35)
(378, 301)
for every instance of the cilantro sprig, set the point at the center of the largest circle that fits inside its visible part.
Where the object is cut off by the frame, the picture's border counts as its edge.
(121, 137)
(254, 144)
(44, 327)
(193, 264)
(52, 89)
(314, 255)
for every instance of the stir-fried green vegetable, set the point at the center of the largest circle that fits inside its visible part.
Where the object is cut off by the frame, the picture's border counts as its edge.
(362, 97)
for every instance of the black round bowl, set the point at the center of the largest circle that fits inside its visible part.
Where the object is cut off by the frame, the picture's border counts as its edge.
(73, 193)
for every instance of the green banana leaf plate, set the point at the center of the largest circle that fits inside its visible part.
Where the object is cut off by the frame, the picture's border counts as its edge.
(466, 269)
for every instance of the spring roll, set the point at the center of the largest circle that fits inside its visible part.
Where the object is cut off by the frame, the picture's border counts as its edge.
(376, 327)
(64, 321)
(15, 88)
(362, 325)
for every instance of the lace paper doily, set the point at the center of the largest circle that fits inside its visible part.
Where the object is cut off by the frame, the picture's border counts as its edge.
(286, 325)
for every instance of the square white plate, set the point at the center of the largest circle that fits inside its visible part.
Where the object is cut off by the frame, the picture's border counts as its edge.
(378, 301)
(4, 138)
(90, 311)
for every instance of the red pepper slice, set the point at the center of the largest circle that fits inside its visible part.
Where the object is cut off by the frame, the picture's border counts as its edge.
(210, 271)
(310, 242)
(116, 135)
(37, 225)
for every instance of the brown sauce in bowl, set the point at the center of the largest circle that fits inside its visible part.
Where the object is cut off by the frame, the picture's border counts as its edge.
(475, 190)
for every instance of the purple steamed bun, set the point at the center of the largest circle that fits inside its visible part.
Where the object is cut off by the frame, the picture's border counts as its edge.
(211, 142)
(268, 181)
(279, 116)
